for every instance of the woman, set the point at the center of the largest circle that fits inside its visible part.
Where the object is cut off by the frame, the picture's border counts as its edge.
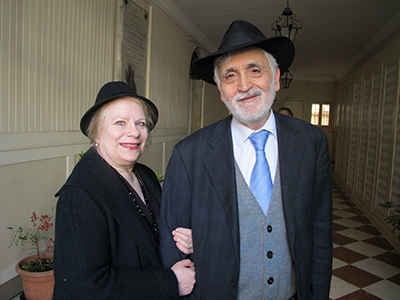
(107, 213)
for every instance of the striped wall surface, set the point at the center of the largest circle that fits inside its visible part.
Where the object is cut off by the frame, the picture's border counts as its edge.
(368, 140)
(54, 55)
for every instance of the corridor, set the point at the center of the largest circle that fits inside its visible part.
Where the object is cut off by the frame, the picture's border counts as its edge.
(365, 265)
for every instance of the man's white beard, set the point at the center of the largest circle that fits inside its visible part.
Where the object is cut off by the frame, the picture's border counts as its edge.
(244, 115)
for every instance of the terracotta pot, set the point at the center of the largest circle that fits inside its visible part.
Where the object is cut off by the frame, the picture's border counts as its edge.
(36, 285)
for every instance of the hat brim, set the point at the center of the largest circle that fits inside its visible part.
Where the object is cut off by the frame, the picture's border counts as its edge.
(87, 117)
(280, 47)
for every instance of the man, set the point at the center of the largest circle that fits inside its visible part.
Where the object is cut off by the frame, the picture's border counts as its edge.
(251, 240)
(285, 111)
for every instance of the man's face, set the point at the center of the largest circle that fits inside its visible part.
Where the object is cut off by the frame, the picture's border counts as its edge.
(248, 87)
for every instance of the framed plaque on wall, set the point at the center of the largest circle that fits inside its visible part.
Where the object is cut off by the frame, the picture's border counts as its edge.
(134, 46)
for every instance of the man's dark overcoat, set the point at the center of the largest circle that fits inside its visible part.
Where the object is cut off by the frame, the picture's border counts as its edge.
(200, 193)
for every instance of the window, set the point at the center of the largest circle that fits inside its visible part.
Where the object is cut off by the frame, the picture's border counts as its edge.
(320, 114)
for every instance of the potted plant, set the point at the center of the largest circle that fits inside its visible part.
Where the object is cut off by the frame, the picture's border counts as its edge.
(393, 219)
(160, 177)
(36, 270)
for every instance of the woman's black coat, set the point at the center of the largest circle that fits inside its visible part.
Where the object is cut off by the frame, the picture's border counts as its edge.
(102, 248)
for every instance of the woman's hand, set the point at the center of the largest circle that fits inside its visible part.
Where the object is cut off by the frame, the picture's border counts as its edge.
(183, 239)
(185, 274)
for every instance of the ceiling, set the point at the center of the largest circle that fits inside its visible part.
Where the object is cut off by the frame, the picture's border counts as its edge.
(336, 34)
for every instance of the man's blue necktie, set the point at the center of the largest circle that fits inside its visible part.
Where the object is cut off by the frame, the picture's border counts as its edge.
(260, 181)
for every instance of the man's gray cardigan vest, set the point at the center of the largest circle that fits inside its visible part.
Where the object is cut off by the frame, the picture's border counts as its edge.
(266, 266)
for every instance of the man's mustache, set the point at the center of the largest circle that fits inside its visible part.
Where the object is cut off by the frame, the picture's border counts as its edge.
(251, 93)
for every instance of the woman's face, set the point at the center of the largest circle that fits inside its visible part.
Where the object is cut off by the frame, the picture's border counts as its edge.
(123, 134)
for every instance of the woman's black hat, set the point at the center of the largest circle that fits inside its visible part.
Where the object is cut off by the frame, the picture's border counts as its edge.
(241, 34)
(112, 91)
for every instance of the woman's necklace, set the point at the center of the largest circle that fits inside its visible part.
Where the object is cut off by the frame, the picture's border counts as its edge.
(153, 224)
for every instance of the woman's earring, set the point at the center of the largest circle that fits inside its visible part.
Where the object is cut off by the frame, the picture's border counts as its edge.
(96, 144)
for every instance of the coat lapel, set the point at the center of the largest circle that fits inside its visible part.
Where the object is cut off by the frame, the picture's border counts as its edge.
(220, 167)
(291, 151)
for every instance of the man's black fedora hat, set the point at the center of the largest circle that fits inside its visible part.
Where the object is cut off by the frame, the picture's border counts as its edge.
(241, 34)
(112, 91)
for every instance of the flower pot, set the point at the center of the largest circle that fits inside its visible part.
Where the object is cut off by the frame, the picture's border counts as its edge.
(36, 285)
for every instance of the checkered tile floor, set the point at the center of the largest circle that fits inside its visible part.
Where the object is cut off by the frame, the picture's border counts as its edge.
(365, 265)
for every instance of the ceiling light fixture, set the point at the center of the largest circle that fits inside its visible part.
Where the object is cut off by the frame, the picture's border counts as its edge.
(286, 79)
(287, 25)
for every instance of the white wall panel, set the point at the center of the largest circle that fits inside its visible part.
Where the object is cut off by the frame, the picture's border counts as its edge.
(364, 123)
(171, 51)
(385, 161)
(344, 134)
(54, 57)
(354, 118)
(373, 138)
(339, 139)
(394, 196)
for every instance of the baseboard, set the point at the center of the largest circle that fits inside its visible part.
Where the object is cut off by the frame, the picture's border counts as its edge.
(11, 288)
(379, 224)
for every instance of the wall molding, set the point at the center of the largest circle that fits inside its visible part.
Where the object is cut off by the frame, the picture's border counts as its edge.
(29, 140)
(26, 147)
(8, 273)
(314, 78)
(173, 11)
(384, 34)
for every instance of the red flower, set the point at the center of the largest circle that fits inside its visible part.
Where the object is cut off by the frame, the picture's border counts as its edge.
(36, 235)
